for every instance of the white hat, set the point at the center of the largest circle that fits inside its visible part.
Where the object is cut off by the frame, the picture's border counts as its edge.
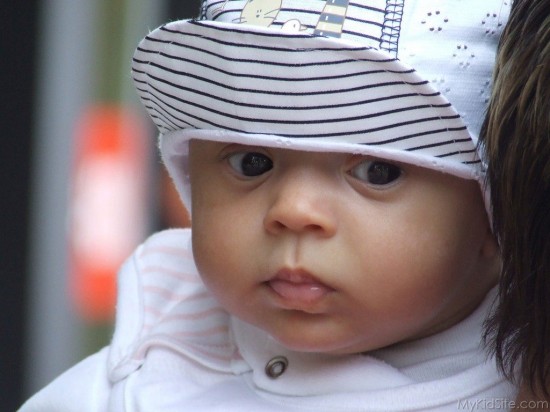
(402, 80)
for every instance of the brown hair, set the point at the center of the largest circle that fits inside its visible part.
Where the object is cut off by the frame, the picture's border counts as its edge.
(516, 140)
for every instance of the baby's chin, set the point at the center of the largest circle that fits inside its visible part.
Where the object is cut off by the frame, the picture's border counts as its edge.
(325, 348)
(321, 344)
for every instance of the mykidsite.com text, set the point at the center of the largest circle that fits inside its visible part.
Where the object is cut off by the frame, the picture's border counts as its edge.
(503, 404)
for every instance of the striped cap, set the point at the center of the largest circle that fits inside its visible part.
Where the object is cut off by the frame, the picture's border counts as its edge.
(403, 80)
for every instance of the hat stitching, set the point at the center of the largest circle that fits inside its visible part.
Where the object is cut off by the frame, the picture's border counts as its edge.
(391, 29)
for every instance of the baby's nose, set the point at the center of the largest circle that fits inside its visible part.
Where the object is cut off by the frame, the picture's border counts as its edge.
(302, 205)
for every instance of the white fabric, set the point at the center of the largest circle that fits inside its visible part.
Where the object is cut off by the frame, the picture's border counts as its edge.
(175, 349)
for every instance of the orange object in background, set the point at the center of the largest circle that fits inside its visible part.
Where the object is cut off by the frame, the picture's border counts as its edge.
(107, 205)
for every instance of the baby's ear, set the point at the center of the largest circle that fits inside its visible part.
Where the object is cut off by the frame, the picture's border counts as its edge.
(489, 248)
(489, 256)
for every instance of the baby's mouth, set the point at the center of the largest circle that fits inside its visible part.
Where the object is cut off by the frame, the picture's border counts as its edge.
(298, 288)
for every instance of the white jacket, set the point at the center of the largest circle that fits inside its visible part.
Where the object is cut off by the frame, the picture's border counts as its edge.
(176, 349)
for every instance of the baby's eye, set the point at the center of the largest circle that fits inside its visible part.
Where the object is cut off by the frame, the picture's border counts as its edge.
(250, 163)
(376, 172)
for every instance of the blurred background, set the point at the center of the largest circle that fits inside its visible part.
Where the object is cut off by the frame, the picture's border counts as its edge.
(81, 179)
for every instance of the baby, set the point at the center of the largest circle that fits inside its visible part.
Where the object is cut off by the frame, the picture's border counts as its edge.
(341, 257)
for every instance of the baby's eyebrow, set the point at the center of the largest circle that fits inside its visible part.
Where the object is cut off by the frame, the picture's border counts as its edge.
(247, 147)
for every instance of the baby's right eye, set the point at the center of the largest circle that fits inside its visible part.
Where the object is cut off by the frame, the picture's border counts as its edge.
(250, 164)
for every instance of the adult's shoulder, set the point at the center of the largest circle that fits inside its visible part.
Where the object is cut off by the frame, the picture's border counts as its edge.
(83, 388)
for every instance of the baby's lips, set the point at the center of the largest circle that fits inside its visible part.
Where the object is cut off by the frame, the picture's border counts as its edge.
(298, 287)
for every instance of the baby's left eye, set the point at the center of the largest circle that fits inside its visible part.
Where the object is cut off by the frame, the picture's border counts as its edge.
(376, 172)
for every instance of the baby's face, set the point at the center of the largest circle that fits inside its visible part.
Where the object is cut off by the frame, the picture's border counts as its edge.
(334, 252)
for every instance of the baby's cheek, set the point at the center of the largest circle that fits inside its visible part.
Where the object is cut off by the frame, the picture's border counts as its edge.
(217, 264)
